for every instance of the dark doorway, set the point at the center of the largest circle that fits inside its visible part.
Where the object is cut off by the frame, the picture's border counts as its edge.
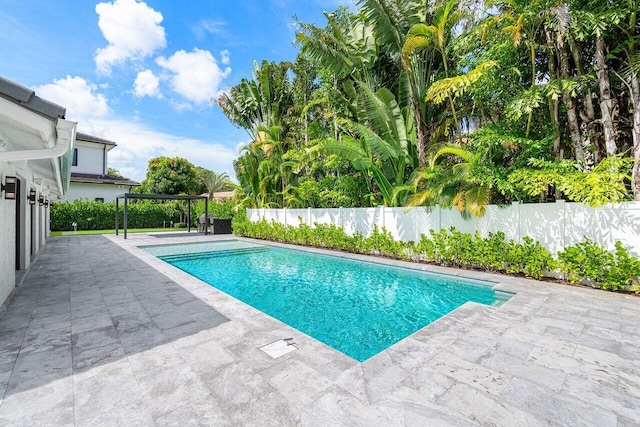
(18, 230)
(33, 229)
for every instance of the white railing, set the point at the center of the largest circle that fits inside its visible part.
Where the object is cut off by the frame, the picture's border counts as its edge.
(554, 225)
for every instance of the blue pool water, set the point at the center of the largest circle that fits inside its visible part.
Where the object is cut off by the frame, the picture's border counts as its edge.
(358, 308)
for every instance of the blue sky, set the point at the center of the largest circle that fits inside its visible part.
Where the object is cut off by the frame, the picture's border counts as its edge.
(143, 73)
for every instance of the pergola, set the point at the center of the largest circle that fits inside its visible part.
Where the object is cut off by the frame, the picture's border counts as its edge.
(128, 196)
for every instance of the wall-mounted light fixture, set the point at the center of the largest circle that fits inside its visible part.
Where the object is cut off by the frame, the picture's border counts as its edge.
(9, 187)
(32, 197)
(41, 200)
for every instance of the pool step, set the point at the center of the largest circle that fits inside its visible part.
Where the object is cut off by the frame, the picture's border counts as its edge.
(212, 254)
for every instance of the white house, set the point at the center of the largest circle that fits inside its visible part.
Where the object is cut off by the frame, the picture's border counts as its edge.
(90, 177)
(36, 147)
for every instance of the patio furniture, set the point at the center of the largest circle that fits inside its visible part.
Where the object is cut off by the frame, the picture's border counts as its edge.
(203, 223)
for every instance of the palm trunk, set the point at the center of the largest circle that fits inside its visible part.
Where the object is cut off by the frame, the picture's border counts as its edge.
(533, 83)
(453, 109)
(569, 101)
(422, 144)
(606, 103)
(335, 120)
(635, 98)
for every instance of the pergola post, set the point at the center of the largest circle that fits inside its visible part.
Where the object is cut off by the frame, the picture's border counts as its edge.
(124, 221)
(206, 216)
(127, 196)
(189, 216)
(117, 204)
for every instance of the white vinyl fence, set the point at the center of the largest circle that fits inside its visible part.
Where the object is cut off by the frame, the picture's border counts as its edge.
(554, 225)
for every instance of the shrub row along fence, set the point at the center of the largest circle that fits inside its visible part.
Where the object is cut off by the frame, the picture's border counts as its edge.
(555, 225)
(586, 262)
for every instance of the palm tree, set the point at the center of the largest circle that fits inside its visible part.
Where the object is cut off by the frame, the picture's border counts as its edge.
(435, 37)
(259, 101)
(525, 20)
(215, 182)
(451, 179)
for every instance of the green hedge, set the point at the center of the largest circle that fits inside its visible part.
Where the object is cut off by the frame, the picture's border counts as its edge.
(586, 262)
(92, 215)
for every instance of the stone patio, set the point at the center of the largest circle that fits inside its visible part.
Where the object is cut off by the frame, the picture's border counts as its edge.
(102, 333)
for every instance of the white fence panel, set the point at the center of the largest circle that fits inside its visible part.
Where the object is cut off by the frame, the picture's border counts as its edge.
(554, 225)
(605, 225)
(545, 223)
(296, 217)
(254, 215)
(362, 220)
(275, 214)
(326, 216)
(625, 224)
(501, 218)
(409, 224)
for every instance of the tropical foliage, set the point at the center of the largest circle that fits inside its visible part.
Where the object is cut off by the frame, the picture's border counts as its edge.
(167, 175)
(458, 103)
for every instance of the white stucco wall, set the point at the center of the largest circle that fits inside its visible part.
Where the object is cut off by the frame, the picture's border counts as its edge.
(90, 159)
(7, 254)
(80, 190)
(8, 228)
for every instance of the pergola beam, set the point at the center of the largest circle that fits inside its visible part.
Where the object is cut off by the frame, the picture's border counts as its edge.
(128, 196)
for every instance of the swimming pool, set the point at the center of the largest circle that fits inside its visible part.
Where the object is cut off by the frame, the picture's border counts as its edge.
(359, 308)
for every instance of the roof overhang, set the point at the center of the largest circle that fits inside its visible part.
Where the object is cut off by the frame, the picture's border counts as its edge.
(44, 143)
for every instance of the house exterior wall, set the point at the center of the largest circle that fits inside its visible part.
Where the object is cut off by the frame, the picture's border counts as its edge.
(108, 192)
(33, 225)
(91, 159)
(7, 239)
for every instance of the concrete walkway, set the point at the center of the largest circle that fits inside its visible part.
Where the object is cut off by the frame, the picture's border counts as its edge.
(102, 333)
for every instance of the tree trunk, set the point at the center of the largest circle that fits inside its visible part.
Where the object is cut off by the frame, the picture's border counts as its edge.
(422, 144)
(533, 83)
(606, 103)
(635, 98)
(553, 103)
(569, 101)
(335, 120)
(589, 114)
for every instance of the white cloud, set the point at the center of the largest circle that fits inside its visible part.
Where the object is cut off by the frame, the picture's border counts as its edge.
(147, 84)
(137, 144)
(207, 26)
(78, 96)
(225, 57)
(195, 75)
(132, 30)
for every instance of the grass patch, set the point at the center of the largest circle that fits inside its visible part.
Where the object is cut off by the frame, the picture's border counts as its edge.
(129, 230)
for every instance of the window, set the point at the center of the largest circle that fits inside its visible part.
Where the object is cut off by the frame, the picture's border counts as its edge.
(75, 157)
(100, 199)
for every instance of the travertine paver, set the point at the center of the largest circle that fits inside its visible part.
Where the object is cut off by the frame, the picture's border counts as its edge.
(102, 333)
